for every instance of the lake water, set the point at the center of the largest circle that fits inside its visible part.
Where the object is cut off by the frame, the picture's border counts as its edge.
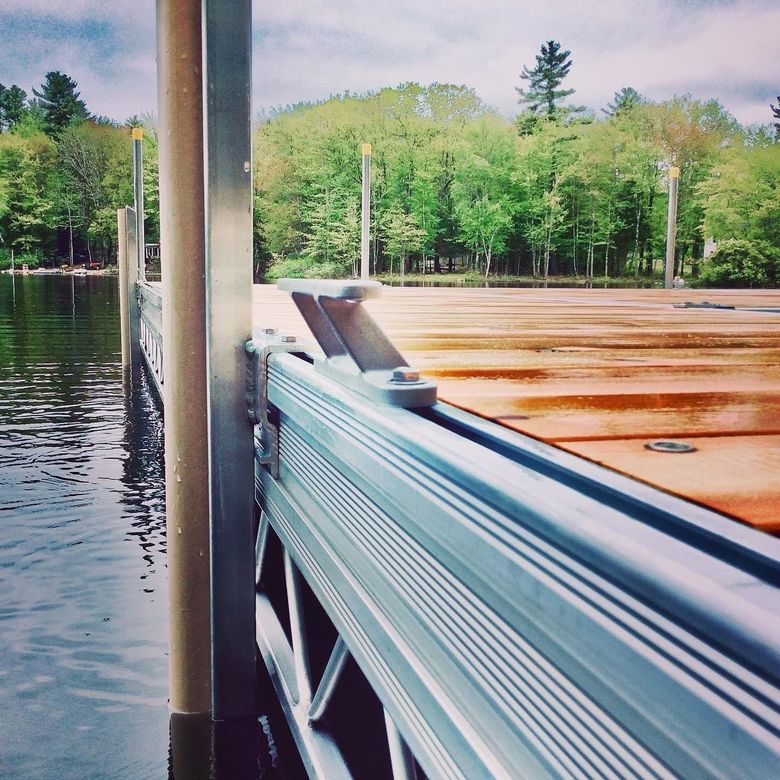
(83, 602)
(83, 648)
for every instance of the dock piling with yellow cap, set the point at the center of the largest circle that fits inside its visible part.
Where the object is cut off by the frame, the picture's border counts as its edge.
(671, 227)
(365, 211)
(138, 191)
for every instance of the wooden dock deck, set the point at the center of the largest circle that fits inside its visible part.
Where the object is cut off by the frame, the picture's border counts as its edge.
(601, 373)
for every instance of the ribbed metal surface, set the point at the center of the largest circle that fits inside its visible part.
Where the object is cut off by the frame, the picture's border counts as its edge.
(150, 300)
(358, 616)
(525, 691)
(150, 332)
(516, 626)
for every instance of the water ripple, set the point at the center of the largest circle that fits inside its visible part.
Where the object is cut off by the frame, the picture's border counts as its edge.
(83, 651)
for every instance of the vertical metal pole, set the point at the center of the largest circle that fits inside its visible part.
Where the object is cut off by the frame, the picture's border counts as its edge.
(182, 243)
(671, 227)
(138, 190)
(227, 39)
(124, 298)
(365, 211)
(130, 300)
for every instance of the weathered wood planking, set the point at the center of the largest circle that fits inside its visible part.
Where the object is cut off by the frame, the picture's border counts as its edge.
(602, 372)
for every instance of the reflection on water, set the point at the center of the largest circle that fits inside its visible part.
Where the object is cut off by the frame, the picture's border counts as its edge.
(83, 667)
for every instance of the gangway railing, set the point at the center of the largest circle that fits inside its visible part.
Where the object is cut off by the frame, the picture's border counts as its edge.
(150, 331)
(515, 610)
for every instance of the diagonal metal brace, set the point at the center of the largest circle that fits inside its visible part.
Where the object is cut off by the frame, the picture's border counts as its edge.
(358, 354)
(263, 343)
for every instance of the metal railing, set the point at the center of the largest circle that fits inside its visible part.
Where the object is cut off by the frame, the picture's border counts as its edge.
(517, 612)
(150, 332)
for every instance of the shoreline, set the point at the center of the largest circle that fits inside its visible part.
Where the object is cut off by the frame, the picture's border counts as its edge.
(59, 272)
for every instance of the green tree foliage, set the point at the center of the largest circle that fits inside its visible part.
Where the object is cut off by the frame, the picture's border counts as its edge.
(59, 103)
(12, 106)
(333, 232)
(63, 175)
(453, 182)
(95, 171)
(623, 101)
(742, 197)
(544, 80)
(308, 176)
(453, 185)
(26, 166)
(776, 115)
(743, 263)
(693, 135)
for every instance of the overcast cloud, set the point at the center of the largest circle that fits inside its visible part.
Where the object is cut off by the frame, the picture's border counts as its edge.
(310, 49)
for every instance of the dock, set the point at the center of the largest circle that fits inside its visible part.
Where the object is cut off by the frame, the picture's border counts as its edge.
(493, 532)
(603, 373)
(468, 550)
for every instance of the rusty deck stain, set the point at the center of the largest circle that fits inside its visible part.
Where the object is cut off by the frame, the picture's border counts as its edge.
(600, 373)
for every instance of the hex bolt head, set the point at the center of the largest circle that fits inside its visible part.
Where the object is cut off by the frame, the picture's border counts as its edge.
(269, 331)
(406, 374)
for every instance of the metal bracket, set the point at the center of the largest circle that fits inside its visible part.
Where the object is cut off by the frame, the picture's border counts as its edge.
(262, 344)
(358, 354)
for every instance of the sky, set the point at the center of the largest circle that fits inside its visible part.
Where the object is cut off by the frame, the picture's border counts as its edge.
(306, 50)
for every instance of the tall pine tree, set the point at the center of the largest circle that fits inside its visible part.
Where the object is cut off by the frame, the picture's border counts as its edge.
(59, 103)
(625, 100)
(12, 106)
(544, 80)
(776, 115)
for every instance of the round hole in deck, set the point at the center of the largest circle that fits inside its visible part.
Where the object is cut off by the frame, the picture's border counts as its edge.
(665, 445)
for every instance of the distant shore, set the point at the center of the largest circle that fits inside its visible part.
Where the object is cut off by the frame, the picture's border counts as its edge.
(471, 280)
(76, 271)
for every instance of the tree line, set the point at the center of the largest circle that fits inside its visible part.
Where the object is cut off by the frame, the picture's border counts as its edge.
(63, 174)
(555, 191)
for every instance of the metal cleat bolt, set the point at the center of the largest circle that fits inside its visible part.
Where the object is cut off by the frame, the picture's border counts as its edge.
(288, 339)
(269, 331)
(406, 374)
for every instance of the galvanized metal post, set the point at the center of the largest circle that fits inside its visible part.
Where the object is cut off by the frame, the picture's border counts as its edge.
(671, 227)
(138, 193)
(227, 37)
(128, 301)
(365, 212)
(182, 239)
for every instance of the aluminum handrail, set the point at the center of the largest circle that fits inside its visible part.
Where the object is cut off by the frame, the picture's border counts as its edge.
(150, 330)
(511, 623)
